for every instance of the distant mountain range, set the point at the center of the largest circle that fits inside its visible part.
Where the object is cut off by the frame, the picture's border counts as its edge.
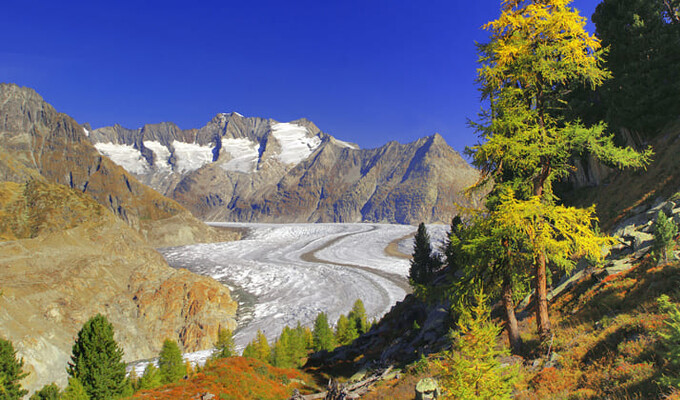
(260, 170)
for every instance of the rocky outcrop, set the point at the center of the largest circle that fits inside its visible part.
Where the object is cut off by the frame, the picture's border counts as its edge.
(36, 140)
(65, 258)
(258, 170)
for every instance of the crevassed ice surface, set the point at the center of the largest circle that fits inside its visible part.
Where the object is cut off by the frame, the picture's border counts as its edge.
(191, 156)
(162, 154)
(244, 154)
(124, 155)
(285, 273)
(295, 144)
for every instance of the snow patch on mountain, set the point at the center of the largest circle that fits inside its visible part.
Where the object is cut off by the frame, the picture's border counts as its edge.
(342, 143)
(244, 155)
(124, 155)
(295, 143)
(191, 156)
(162, 155)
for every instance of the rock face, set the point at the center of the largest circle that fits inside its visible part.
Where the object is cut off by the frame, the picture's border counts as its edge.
(36, 140)
(70, 258)
(259, 170)
(74, 241)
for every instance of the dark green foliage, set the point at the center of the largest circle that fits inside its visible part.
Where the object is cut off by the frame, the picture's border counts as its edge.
(151, 378)
(170, 362)
(224, 347)
(357, 316)
(424, 264)
(74, 391)
(10, 372)
(665, 231)
(48, 392)
(322, 334)
(96, 360)
(643, 39)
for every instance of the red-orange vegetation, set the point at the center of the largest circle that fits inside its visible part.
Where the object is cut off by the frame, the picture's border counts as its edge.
(235, 378)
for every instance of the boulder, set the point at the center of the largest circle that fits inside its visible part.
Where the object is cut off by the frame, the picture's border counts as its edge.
(427, 389)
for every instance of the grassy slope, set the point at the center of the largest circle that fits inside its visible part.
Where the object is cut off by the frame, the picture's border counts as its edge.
(234, 378)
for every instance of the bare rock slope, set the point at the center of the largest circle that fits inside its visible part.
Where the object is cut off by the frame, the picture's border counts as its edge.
(75, 230)
(259, 170)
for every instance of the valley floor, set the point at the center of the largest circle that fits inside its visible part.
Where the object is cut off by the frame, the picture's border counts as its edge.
(283, 274)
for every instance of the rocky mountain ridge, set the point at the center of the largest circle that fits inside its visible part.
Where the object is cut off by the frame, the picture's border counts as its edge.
(260, 170)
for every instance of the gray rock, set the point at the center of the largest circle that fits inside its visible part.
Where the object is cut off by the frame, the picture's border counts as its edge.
(642, 240)
(427, 389)
(620, 265)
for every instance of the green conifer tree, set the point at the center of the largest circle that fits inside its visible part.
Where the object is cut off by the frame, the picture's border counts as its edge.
(96, 360)
(665, 231)
(48, 392)
(74, 390)
(345, 331)
(423, 263)
(170, 362)
(224, 347)
(11, 372)
(323, 335)
(150, 379)
(357, 316)
(258, 348)
(471, 370)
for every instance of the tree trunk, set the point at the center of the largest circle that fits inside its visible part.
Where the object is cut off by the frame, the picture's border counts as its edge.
(541, 299)
(510, 319)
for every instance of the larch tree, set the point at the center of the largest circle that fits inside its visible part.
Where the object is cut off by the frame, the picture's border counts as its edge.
(170, 362)
(357, 316)
(74, 390)
(471, 369)
(538, 51)
(322, 334)
(96, 360)
(224, 347)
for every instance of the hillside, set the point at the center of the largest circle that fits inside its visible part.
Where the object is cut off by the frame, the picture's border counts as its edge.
(64, 258)
(259, 170)
(36, 140)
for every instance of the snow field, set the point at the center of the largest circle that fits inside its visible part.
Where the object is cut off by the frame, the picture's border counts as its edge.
(162, 155)
(191, 156)
(292, 272)
(124, 155)
(244, 155)
(294, 141)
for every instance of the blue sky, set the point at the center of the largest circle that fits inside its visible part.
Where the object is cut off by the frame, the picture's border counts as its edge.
(366, 71)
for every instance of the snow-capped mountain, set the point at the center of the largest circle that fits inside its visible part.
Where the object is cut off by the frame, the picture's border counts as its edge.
(260, 170)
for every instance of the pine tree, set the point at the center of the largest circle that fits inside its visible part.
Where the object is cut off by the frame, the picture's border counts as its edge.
(96, 360)
(170, 362)
(665, 231)
(48, 392)
(323, 335)
(357, 316)
(224, 347)
(424, 263)
(74, 390)
(538, 52)
(471, 370)
(11, 372)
